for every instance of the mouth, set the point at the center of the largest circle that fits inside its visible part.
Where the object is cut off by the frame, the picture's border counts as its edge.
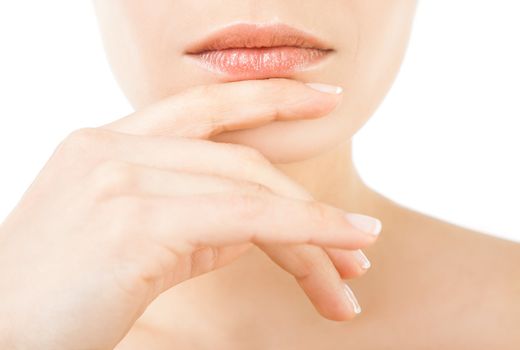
(249, 51)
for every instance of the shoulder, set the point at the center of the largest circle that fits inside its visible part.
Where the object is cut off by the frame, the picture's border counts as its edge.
(451, 282)
(478, 277)
(490, 275)
(476, 255)
(453, 237)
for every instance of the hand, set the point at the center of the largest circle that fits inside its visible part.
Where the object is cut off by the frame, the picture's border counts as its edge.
(123, 212)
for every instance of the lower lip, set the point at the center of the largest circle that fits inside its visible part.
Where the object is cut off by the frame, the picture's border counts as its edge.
(254, 63)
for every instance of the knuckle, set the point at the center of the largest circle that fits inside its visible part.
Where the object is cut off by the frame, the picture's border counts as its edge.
(317, 213)
(259, 189)
(202, 260)
(112, 177)
(85, 136)
(82, 142)
(132, 278)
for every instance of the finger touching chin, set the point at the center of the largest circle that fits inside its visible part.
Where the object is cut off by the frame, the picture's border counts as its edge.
(290, 141)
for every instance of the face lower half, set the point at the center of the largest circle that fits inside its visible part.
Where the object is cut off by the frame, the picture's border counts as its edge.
(145, 42)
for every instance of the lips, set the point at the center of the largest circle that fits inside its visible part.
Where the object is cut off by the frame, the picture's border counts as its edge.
(248, 51)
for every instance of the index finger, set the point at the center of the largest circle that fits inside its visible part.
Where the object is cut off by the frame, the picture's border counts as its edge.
(207, 110)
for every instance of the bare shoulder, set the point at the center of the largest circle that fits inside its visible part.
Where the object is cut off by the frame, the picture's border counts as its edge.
(493, 255)
(473, 279)
(489, 262)
(458, 288)
(427, 233)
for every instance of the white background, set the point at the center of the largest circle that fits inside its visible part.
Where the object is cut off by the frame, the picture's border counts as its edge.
(444, 141)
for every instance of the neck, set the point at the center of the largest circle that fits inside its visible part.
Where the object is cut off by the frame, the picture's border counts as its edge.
(332, 178)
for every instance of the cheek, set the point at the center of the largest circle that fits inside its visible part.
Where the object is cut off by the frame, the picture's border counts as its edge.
(384, 29)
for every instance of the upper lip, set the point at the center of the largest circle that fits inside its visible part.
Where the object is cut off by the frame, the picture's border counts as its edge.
(245, 35)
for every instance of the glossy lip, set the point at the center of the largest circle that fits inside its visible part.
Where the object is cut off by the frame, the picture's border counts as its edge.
(249, 51)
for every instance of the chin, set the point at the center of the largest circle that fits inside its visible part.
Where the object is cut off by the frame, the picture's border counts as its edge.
(283, 142)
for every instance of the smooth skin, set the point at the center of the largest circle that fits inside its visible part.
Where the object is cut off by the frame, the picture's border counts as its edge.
(432, 285)
(140, 221)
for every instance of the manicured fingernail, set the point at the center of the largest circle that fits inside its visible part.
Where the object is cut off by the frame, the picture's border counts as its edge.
(330, 89)
(352, 299)
(365, 223)
(362, 259)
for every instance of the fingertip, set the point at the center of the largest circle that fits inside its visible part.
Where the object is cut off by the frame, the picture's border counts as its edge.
(363, 262)
(351, 300)
(364, 223)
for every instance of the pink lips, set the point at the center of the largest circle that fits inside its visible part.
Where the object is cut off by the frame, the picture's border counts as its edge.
(247, 51)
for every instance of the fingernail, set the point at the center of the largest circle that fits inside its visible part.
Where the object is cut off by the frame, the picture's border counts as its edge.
(330, 89)
(352, 299)
(362, 259)
(365, 223)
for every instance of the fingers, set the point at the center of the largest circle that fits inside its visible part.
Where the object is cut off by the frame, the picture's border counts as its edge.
(349, 263)
(116, 178)
(317, 276)
(187, 117)
(221, 219)
(184, 224)
(208, 259)
(207, 110)
(89, 147)
(182, 154)
(119, 178)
